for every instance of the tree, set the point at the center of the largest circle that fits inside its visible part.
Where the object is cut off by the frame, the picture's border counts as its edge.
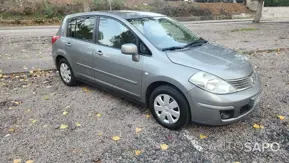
(258, 14)
(86, 7)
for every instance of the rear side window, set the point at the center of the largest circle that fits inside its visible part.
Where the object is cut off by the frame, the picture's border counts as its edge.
(81, 28)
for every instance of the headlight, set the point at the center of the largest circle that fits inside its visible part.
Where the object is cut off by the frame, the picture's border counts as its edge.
(211, 83)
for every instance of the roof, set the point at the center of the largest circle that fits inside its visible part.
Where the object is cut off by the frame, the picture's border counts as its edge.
(129, 14)
(125, 14)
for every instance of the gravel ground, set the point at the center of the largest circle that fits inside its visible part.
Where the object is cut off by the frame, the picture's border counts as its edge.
(32, 107)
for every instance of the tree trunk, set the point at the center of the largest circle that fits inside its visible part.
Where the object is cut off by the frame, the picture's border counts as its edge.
(258, 14)
(86, 7)
(109, 2)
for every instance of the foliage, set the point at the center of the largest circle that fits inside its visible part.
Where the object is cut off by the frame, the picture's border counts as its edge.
(104, 5)
(276, 3)
(183, 9)
(48, 9)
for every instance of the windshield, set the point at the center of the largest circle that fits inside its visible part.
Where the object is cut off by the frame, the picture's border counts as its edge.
(164, 32)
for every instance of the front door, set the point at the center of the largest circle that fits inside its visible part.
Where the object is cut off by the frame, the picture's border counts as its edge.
(80, 44)
(111, 67)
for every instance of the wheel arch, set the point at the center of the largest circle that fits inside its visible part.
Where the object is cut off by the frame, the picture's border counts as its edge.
(154, 84)
(58, 58)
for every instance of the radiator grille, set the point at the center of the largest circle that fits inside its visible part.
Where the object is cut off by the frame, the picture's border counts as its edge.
(244, 83)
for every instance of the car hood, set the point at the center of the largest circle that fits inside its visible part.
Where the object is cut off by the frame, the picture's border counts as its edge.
(214, 59)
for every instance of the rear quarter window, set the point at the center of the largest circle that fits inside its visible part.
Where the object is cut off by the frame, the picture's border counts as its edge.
(81, 28)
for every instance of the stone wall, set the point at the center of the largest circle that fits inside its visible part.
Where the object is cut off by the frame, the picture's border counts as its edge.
(275, 12)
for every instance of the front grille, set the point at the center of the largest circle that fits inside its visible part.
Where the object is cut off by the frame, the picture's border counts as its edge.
(242, 84)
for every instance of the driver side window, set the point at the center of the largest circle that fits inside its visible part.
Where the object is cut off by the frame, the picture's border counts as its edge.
(114, 34)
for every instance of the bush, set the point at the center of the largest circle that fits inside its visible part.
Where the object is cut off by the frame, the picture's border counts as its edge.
(180, 9)
(48, 10)
(104, 5)
(276, 3)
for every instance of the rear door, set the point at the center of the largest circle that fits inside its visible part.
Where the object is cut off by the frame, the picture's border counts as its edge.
(80, 44)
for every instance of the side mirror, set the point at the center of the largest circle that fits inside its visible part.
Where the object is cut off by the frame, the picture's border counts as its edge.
(131, 49)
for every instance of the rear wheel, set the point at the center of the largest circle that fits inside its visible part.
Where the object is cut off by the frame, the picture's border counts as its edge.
(65, 72)
(169, 107)
(226, 1)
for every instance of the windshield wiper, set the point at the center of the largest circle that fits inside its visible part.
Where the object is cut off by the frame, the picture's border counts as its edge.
(172, 48)
(196, 43)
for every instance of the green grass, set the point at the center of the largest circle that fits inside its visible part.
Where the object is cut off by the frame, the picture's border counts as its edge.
(244, 29)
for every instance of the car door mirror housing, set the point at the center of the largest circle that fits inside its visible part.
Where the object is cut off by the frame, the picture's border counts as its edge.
(131, 49)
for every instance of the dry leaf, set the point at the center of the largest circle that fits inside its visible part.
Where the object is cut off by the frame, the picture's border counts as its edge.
(202, 136)
(148, 115)
(10, 130)
(16, 160)
(281, 117)
(31, 71)
(65, 113)
(29, 161)
(33, 120)
(261, 126)
(137, 152)
(98, 115)
(115, 138)
(77, 124)
(63, 126)
(164, 147)
(1, 75)
(256, 126)
(17, 102)
(85, 89)
(137, 130)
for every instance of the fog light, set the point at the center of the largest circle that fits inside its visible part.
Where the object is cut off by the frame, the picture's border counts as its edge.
(227, 114)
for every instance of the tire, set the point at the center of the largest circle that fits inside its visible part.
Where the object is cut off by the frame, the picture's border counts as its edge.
(72, 80)
(226, 1)
(164, 110)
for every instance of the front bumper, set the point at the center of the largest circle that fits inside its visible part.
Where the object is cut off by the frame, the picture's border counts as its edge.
(213, 109)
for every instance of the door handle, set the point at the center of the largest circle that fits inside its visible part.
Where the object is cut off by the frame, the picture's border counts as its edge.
(99, 52)
(68, 44)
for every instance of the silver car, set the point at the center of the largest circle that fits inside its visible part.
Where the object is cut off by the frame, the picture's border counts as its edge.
(158, 62)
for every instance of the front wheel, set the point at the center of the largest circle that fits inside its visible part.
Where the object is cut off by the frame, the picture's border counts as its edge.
(169, 107)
